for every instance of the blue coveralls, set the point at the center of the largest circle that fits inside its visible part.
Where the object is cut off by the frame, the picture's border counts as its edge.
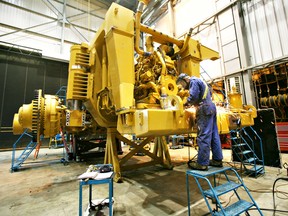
(207, 134)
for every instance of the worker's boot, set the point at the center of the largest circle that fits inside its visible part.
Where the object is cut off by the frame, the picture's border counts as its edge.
(216, 163)
(196, 166)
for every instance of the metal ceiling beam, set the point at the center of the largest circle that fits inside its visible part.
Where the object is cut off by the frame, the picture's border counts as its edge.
(206, 22)
(90, 13)
(35, 26)
(63, 26)
(68, 21)
(24, 29)
(26, 9)
(36, 33)
(71, 6)
(153, 12)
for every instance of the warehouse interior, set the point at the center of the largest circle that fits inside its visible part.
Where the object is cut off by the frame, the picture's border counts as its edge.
(89, 83)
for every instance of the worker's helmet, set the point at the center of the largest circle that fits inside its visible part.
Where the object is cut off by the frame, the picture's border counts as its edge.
(183, 80)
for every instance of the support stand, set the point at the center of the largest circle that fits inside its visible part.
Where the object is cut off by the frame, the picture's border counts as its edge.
(160, 153)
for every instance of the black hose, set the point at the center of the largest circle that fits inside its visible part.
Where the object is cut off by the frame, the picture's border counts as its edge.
(281, 178)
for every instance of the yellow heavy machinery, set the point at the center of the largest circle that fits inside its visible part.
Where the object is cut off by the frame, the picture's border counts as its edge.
(116, 85)
(42, 117)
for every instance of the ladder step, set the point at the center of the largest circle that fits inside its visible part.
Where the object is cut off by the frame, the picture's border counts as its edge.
(239, 144)
(249, 160)
(16, 166)
(211, 171)
(245, 152)
(24, 155)
(236, 208)
(222, 189)
(256, 169)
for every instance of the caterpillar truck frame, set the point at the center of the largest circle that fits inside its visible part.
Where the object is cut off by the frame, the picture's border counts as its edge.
(115, 84)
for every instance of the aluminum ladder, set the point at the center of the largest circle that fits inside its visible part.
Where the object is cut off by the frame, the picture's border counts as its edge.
(215, 191)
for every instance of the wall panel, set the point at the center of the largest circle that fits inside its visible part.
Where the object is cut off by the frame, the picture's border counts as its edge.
(2, 82)
(14, 92)
(35, 80)
(53, 77)
(19, 76)
(267, 29)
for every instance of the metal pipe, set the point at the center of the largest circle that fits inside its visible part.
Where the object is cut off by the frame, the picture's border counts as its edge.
(63, 26)
(186, 41)
(159, 37)
(149, 43)
(267, 86)
(276, 78)
(137, 30)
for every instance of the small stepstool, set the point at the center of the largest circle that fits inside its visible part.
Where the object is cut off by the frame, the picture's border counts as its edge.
(214, 192)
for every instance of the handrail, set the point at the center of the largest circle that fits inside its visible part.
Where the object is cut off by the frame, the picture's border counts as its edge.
(250, 145)
(15, 145)
(261, 144)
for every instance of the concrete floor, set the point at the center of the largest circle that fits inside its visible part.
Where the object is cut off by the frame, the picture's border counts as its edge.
(47, 187)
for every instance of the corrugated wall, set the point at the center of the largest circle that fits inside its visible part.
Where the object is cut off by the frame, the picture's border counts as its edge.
(229, 42)
(252, 33)
(266, 23)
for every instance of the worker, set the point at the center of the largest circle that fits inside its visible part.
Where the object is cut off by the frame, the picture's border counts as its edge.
(207, 130)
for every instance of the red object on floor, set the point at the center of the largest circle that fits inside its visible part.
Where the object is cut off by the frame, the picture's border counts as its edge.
(282, 131)
(225, 141)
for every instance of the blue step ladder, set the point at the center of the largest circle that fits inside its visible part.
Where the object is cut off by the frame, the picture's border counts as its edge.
(17, 162)
(215, 191)
(243, 148)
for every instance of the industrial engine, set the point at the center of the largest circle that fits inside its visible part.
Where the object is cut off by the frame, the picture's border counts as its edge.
(116, 84)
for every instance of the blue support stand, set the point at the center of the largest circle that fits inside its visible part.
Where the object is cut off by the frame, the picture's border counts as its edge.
(176, 139)
(92, 182)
